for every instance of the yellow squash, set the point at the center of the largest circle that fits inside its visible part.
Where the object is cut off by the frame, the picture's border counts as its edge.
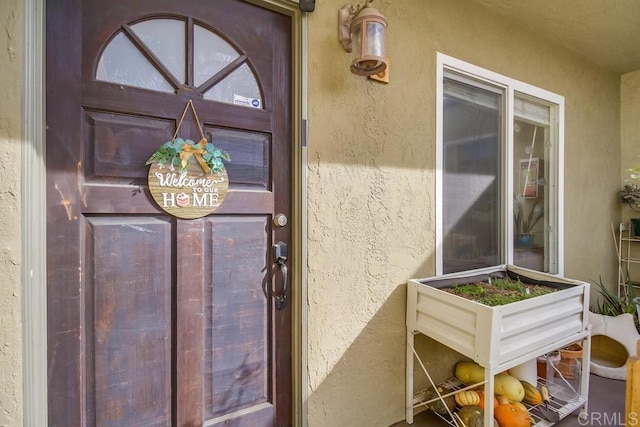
(532, 395)
(467, 398)
(509, 387)
(469, 372)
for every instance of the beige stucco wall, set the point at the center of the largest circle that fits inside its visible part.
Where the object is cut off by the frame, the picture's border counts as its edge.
(10, 289)
(630, 128)
(371, 188)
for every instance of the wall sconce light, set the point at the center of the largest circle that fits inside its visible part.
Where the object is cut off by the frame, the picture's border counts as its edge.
(362, 30)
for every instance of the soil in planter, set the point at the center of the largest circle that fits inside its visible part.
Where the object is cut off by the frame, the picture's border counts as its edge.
(499, 291)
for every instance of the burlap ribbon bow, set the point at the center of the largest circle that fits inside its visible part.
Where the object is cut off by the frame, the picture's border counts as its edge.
(196, 150)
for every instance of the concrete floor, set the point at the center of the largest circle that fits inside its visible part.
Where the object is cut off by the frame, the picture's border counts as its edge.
(605, 408)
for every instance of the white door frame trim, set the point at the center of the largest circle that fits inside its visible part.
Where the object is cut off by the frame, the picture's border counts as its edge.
(33, 219)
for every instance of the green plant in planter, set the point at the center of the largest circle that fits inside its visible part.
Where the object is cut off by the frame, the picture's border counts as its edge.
(525, 221)
(630, 193)
(498, 291)
(614, 305)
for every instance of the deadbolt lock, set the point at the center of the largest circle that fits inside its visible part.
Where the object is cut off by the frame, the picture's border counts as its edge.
(280, 220)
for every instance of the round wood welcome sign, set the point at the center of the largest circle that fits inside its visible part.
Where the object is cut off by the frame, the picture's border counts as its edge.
(183, 187)
(189, 189)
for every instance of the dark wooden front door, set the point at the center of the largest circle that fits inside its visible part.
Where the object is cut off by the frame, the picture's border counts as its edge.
(156, 320)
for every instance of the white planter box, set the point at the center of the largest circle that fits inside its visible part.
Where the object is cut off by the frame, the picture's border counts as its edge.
(500, 337)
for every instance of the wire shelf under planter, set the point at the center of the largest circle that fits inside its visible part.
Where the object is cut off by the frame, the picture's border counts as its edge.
(561, 401)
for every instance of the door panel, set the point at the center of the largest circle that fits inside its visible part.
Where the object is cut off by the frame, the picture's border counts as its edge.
(131, 343)
(251, 157)
(238, 365)
(107, 158)
(154, 320)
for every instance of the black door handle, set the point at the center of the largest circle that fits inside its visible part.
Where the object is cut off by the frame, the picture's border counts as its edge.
(280, 254)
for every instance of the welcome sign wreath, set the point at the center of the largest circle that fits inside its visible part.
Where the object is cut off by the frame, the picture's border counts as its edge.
(182, 187)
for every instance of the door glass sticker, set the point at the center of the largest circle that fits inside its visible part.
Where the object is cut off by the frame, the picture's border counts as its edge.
(238, 88)
(123, 63)
(166, 39)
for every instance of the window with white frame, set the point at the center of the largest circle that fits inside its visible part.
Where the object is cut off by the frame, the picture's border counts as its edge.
(499, 171)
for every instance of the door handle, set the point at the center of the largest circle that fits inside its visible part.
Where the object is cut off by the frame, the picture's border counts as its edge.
(280, 254)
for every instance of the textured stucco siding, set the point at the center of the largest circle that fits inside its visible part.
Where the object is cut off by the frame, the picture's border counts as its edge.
(10, 289)
(371, 198)
(371, 193)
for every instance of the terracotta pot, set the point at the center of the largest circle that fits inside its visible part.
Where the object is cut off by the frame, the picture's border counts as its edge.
(568, 360)
(572, 351)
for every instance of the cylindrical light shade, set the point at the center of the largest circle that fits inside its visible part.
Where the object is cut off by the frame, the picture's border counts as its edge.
(369, 45)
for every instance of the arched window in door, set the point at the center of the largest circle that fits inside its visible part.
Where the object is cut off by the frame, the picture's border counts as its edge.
(155, 54)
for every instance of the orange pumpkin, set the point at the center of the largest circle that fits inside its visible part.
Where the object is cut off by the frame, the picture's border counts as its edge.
(520, 405)
(481, 403)
(502, 400)
(512, 416)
